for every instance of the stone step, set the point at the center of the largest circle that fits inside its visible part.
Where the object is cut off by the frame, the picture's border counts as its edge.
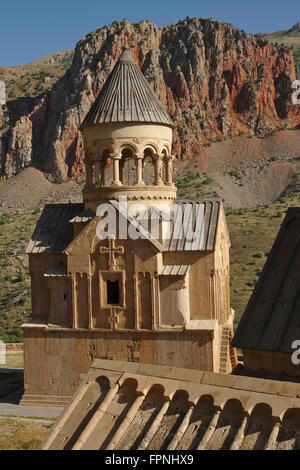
(43, 400)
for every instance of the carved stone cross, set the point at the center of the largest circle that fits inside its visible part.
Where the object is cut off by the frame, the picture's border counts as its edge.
(113, 318)
(112, 251)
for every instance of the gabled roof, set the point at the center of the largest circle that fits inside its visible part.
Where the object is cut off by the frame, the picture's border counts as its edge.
(54, 232)
(126, 97)
(271, 321)
(136, 406)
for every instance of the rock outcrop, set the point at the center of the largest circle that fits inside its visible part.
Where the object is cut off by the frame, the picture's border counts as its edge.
(295, 30)
(2, 93)
(213, 79)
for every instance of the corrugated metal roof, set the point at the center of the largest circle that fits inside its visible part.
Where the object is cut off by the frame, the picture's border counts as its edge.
(130, 406)
(54, 232)
(271, 321)
(126, 97)
(195, 226)
(175, 270)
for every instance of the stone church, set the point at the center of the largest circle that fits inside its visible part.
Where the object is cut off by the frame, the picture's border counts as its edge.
(132, 295)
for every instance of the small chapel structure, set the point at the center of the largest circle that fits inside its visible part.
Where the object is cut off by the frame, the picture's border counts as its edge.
(133, 295)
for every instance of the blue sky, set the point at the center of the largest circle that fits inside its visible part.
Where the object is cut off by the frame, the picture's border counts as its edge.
(31, 29)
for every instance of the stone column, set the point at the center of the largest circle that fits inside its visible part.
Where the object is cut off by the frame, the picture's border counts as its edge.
(210, 429)
(153, 321)
(102, 171)
(135, 294)
(74, 302)
(94, 421)
(97, 172)
(88, 173)
(182, 428)
(240, 435)
(122, 163)
(93, 174)
(127, 420)
(158, 170)
(169, 170)
(155, 425)
(272, 440)
(155, 296)
(90, 302)
(139, 169)
(116, 169)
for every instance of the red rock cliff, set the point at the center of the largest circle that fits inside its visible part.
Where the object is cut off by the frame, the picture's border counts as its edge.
(213, 79)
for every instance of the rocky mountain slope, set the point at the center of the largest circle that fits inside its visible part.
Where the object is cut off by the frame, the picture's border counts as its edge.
(59, 57)
(289, 37)
(214, 80)
(25, 86)
(294, 30)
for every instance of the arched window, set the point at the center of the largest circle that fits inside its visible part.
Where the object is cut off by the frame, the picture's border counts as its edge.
(103, 167)
(164, 167)
(127, 167)
(148, 166)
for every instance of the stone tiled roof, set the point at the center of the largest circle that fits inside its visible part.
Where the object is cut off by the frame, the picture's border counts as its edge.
(127, 97)
(123, 405)
(54, 232)
(271, 321)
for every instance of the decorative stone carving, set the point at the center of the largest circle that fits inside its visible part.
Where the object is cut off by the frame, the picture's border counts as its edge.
(112, 251)
(112, 318)
(139, 169)
(158, 170)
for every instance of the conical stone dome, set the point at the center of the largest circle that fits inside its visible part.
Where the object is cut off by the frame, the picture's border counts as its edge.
(127, 138)
(126, 97)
